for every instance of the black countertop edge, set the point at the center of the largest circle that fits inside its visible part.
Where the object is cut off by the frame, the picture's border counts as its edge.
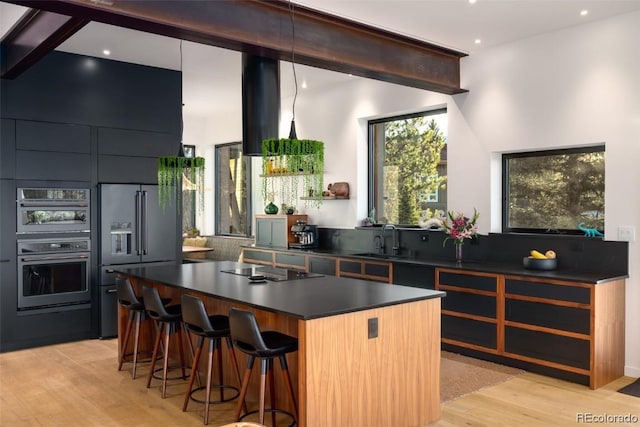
(513, 269)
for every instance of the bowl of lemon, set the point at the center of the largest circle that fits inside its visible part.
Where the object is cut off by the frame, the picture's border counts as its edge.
(540, 261)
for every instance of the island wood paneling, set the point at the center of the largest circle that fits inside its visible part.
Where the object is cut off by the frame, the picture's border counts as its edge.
(607, 346)
(347, 379)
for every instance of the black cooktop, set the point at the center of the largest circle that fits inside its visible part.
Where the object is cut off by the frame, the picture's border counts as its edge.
(272, 274)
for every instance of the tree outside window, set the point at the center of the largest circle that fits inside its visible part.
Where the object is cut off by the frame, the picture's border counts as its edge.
(233, 210)
(554, 191)
(408, 167)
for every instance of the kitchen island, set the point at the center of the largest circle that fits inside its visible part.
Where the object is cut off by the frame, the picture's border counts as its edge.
(369, 353)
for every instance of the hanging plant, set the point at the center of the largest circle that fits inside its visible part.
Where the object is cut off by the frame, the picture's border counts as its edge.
(287, 160)
(171, 170)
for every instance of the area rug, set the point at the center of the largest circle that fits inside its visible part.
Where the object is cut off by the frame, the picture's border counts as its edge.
(460, 375)
(632, 389)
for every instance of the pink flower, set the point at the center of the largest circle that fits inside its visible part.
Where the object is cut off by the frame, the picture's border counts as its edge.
(459, 227)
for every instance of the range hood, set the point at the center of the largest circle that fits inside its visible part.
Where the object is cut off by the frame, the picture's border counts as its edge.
(260, 102)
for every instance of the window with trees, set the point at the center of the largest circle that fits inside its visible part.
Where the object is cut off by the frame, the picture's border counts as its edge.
(408, 167)
(233, 177)
(558, 191)
(189, 195)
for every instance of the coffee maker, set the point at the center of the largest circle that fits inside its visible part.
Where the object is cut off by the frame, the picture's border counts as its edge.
(307, 235)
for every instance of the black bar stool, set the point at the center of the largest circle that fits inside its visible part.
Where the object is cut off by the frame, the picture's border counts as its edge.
(266, 345)
(169, 319)
(137, 314)
(212, 328)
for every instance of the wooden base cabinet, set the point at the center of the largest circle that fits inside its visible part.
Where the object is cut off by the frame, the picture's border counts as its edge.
(567, 329)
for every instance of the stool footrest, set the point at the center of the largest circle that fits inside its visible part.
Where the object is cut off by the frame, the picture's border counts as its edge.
(170, 368)
(216, 386)
(267, 410)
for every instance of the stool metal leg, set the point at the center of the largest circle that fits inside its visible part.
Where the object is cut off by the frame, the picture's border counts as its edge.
(234, 359)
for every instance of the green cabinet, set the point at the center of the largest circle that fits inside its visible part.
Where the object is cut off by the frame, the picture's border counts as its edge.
(322, 265)
(275, 230)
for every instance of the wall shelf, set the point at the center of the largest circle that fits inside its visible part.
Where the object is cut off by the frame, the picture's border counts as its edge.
(325, 198)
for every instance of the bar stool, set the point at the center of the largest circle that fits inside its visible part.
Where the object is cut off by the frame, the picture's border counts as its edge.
(169, 321)
(266, 345)
(137, 314)
(212, 328)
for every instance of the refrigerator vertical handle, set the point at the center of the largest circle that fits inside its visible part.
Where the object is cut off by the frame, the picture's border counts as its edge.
(138, 221)
(145, 228)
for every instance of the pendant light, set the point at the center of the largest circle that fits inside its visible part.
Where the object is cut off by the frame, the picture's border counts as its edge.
(172, 170)
(285, 160)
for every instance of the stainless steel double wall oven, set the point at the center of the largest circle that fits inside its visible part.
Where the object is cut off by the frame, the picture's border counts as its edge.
(53, 247)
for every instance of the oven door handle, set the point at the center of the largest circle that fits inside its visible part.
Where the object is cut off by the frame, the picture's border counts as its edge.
(54, 258)
(53, 204)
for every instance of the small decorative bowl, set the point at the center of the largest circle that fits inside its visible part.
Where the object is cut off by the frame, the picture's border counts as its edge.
(540, 264)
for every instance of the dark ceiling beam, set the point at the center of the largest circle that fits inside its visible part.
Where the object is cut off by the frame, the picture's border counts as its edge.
(264, 27)
(36, 33)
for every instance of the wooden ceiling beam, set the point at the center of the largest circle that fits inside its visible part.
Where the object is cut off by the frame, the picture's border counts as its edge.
(264, 27)
(35, 34)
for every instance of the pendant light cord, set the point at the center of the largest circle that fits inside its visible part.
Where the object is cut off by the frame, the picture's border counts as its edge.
(293, 58)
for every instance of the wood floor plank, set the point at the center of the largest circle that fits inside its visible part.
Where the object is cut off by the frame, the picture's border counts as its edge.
(78, 384)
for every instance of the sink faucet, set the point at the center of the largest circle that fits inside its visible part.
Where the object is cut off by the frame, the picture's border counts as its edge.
(395, 249)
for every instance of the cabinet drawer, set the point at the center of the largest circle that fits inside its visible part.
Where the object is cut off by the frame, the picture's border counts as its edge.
(546, 290)
(541, 345)
(322, 265)
(483, 283)
(262, 256)
(470, 331)
(378, 270)
(297, 261)
(463, 302)
(548, 315)
(353, 267)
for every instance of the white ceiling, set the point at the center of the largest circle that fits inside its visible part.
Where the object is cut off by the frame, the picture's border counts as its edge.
(212, 75)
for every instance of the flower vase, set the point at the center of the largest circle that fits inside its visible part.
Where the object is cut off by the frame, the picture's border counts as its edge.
(458, 252)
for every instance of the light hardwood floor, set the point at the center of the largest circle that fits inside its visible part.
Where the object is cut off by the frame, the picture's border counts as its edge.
(77, 384)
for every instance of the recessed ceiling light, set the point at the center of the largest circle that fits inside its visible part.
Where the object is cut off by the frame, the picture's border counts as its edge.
(107, 52)
(477, 41)
(472, 1)
(304, 84)
(584, 12)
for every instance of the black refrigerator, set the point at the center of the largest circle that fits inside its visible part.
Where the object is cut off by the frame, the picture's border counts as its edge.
(135, 231)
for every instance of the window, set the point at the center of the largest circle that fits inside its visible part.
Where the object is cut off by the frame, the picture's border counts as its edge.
(189, 195)
(553, 191)
(408, 166)
(233, 172)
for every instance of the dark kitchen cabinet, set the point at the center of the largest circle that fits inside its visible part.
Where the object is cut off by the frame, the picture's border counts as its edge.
(570, 330)
(470, 309)
(415, 275)
(322, 265)
(7, 149)
(257, 256)
(380, 271)
(52, 151)
(292, 261)
(126, 156)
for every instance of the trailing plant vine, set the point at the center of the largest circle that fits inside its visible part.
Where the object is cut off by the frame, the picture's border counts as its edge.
(171, 169)
(285, 161)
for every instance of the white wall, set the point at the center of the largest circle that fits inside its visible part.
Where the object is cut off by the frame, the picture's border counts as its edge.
(573, 87)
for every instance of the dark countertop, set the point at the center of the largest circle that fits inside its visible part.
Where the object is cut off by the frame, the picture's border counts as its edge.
(305, 299)
(515, 269)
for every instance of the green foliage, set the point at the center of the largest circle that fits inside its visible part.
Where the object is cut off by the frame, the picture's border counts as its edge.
(286, 162)
(412, 155)
(557, 191)
(171, 169)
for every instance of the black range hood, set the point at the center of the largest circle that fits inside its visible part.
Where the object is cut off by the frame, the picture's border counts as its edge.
(260, 102)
